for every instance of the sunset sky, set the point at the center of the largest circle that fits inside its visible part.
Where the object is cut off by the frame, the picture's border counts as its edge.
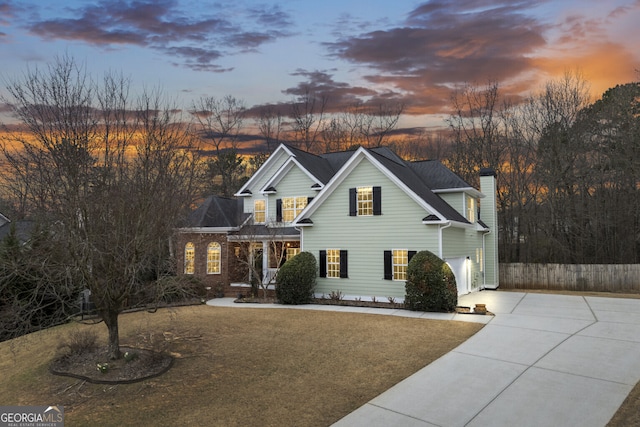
(265, 52)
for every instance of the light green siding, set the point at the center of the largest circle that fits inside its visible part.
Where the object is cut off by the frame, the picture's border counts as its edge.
(366, 238)
(296, 183)
(463, 243)
(455, 200)
(265, 175)
(490, 217)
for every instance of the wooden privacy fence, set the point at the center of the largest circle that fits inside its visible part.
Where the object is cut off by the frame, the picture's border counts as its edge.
(571, 277)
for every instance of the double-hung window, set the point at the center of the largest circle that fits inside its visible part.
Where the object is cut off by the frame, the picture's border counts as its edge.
(396, 262)
(288, 208)
(471, 208)
(213, 258)
(259, 211)
(365, 201)
(333, 263)
(189, 258)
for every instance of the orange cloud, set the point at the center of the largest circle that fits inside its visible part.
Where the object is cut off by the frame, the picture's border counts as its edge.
(604, 65)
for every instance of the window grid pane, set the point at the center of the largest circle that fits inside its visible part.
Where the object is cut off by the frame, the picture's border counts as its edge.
(471, 209)
(291, 252)
(400, 262)
(292, 206)
(213, 258)
(365, 201)
(259, 211)
(288, 209)
(301, 203)
(333, 263)
(189, 258)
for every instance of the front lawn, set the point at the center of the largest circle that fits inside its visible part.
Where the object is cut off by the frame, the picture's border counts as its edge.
(235, 367)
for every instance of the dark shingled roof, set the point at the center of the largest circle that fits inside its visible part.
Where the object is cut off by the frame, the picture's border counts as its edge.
(218, 211)
(421, 177)
(318, 166)
(417, 184)
(438, 175)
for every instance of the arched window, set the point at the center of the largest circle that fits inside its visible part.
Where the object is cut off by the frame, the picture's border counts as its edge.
(213, 258)
(189, 258)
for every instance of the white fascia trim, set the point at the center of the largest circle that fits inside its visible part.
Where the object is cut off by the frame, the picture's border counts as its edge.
(481, 228)
(272, 158)
(282, 172)
(468, 190)
(456, 224)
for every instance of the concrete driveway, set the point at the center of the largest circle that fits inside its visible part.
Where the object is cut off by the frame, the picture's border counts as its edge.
(543, 360)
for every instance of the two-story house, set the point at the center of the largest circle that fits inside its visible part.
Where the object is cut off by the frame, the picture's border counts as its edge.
(363, 214)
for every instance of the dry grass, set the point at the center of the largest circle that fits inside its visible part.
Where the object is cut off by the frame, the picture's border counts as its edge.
(236, 367)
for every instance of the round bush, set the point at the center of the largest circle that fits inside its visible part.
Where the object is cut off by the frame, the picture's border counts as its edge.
(431, 285)
(296, 279)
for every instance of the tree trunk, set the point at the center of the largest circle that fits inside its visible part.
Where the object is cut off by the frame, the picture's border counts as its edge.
(110, 318)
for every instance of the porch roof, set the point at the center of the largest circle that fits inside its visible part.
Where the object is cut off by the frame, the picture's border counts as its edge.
(262, 232)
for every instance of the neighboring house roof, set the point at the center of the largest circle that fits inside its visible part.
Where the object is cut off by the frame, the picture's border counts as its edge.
(23, 228)
(3, 220)
(218, 212)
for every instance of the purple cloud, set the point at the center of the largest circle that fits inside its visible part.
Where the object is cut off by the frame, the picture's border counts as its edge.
(163, 26)
(444, 43)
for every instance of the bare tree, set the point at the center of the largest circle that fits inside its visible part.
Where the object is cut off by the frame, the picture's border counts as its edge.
(270, 124)
(220, 121)
(376, 124)
(549, 118)
(108, 175)
(476, 127)
(308, 113)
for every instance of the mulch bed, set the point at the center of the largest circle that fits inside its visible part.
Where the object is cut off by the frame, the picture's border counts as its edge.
(145, 364)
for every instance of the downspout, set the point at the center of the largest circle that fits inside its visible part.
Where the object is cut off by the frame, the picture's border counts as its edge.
(440, 248)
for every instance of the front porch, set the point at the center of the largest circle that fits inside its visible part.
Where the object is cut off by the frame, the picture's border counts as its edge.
(258, 253)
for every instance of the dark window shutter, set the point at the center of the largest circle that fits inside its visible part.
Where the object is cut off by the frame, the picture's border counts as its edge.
(410, 255)
(388, 269)
(278, 210)
(343, 265)
(309, 199)
(353, 202)
(323, 263)
(377, 200)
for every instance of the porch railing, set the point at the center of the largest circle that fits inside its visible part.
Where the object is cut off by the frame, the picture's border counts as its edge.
(270, 277)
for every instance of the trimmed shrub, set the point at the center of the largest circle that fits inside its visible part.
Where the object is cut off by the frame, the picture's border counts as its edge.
(431, 285)
(296, 279)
